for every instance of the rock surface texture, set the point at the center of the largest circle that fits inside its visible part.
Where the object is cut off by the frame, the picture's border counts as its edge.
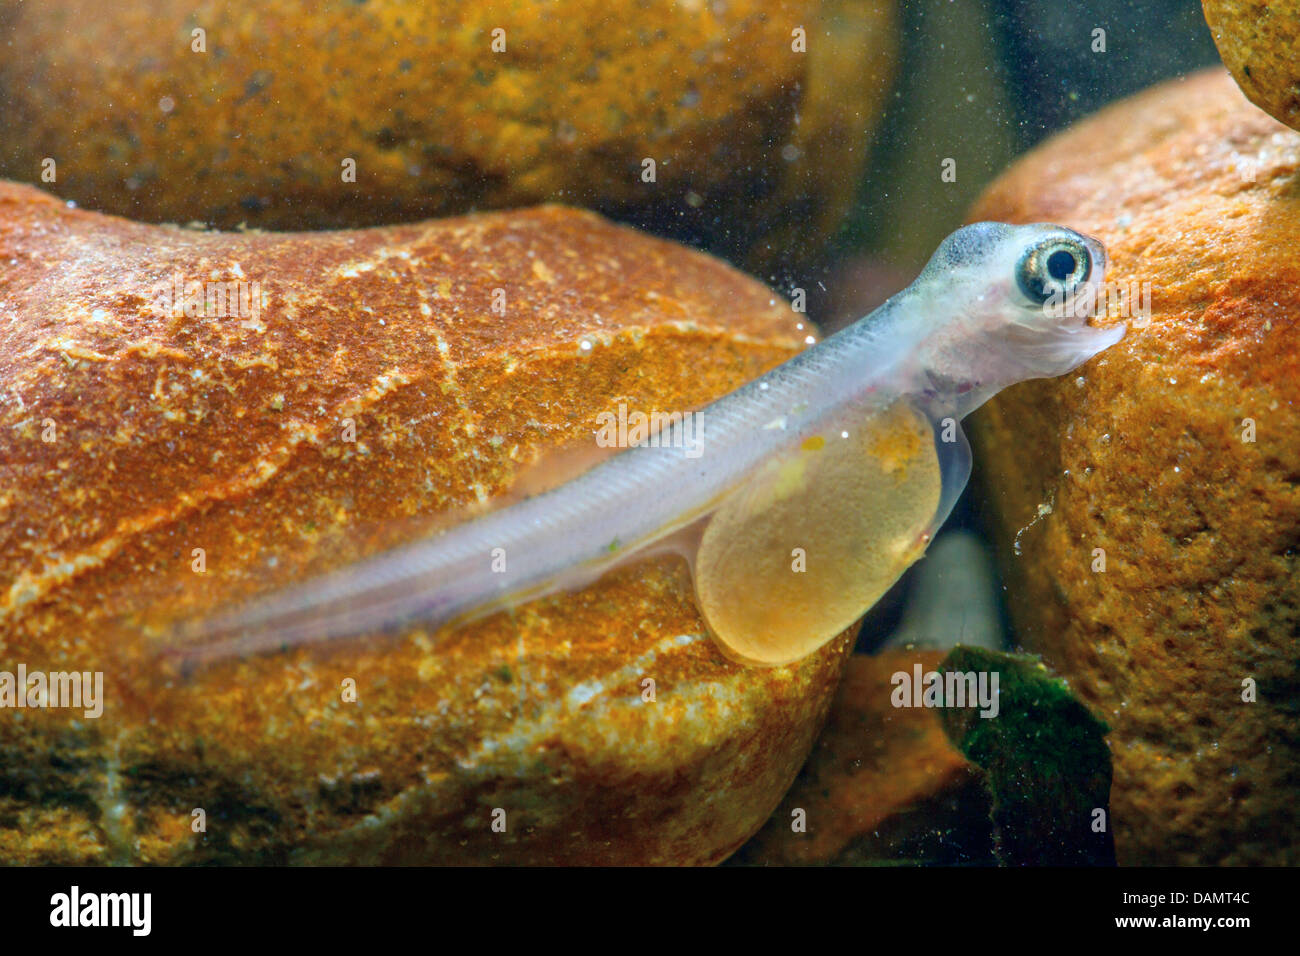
(230, 112)
(157, 465)
(1149, 506)
(1259, 41)
(883, 783)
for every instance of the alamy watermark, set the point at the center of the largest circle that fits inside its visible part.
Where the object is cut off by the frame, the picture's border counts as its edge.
(946, 689)
(82, 690)
(1116, 300)
(178, 297)
(133, 911)
(624, 429)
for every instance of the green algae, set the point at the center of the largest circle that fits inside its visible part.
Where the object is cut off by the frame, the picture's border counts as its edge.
(1045, 759)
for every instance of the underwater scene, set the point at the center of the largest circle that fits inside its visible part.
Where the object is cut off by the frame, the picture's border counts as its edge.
(768, 433)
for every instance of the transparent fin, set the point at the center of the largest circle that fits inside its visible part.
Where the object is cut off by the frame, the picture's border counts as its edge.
(813, 539)
(953, 452)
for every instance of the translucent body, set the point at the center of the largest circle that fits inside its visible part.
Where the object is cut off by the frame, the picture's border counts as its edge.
(768, 474)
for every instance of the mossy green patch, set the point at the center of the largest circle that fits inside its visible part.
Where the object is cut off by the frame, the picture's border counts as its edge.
(1046, 763)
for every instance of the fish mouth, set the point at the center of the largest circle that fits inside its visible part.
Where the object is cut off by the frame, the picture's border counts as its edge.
(1065, 333)
(1059, 349)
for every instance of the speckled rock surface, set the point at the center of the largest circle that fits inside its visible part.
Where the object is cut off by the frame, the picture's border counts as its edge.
(881, 780)
(1259, 41)
(1141, 454)
(757, 147)
(132, 436)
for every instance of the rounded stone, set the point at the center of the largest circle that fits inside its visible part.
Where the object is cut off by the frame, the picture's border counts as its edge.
(1259, 41)
(741, 126)
(160, 465)
(1148, 507)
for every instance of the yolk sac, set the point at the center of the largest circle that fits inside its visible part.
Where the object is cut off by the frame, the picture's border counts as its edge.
(820, 532)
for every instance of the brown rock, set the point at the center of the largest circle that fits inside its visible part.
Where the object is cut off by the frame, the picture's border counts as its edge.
(752, 141)
(1259, 41)
(880, 779)
(132, 437)
(1142, 455)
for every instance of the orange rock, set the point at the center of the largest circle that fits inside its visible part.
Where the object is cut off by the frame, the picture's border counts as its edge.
(876, 769)
(132, 437)
(757, 147)
(1259, 40)
(1144, 461)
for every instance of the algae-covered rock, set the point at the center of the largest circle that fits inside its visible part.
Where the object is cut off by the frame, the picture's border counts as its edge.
(970, 757)
(1044, 758)
(1148, 508)
(286, 115)
(1259, 41)
(882, 785)
(160, 462)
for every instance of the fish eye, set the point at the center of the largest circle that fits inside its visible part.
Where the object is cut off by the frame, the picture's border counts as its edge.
(1055, 266)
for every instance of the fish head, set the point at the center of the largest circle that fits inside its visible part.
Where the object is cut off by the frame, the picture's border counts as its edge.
(1013, 302)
